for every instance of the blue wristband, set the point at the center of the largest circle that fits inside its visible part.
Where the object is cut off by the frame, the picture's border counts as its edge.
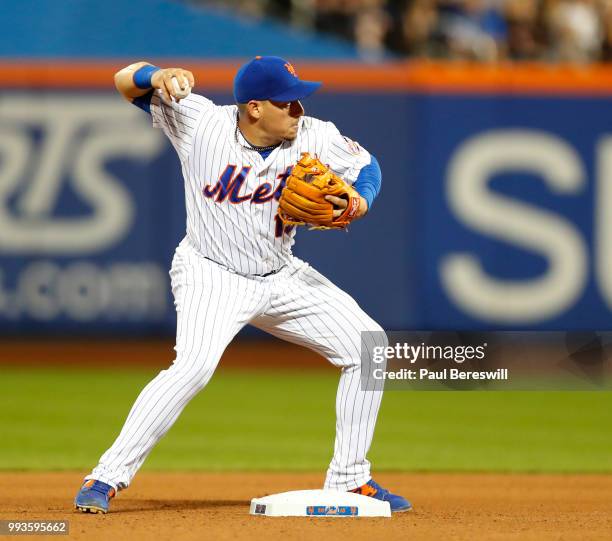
(369, 180)
(142, 76)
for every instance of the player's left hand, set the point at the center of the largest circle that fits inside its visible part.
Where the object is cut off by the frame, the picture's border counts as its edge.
(317, 197)
(341, 204)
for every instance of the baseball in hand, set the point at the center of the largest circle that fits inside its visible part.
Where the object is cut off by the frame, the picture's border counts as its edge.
(179, 92)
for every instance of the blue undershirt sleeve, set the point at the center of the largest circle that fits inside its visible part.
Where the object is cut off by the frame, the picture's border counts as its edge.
(368, 181)
(144, 102)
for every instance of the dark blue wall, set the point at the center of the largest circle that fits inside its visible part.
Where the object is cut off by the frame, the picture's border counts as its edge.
(529, 228)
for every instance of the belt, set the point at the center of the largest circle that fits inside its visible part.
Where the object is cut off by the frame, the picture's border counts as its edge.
(269, 273)
(247, 275)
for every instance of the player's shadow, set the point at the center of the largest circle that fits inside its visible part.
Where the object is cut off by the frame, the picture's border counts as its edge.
(143, 506)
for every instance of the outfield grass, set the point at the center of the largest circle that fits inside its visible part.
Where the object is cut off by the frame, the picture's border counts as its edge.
(64, 419)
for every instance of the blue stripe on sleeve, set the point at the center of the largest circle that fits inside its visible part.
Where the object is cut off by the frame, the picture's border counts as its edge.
(144, 102)
(369, 181)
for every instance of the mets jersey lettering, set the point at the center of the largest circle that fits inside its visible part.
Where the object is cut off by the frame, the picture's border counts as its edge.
(229, 185)
(231, 192)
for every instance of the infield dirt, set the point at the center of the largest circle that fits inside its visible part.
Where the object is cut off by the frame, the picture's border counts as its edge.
(216, 506)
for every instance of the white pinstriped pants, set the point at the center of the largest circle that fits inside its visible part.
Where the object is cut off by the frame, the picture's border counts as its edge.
(296, 304)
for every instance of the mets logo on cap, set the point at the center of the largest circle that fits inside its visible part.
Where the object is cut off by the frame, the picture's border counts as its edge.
(289, 67)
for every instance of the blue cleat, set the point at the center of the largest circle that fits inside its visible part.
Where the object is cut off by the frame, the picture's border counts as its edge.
(94, 497)
(374, 490)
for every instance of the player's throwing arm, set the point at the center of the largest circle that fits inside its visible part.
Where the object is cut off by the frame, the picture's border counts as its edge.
(174, 83)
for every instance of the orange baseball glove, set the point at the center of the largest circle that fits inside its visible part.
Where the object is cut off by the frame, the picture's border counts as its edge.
(302, 201)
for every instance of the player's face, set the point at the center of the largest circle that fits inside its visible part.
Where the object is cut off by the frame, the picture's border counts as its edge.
(280, 118)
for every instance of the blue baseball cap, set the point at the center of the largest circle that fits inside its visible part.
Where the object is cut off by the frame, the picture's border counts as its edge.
(270, 78)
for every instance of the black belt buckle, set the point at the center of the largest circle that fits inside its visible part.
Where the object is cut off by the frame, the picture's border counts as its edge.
(271, 272)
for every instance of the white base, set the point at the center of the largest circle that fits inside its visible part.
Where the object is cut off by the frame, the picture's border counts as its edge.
(319, 503)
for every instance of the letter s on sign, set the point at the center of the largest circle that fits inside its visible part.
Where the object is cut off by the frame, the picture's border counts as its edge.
(507, 219)
(79, 137)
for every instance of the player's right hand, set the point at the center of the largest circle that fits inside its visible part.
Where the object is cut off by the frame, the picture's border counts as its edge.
(162, 80)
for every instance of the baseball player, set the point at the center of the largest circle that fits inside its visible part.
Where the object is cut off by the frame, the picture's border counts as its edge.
(235, 267)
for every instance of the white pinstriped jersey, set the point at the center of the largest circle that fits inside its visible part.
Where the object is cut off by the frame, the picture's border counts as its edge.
(231, 192)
